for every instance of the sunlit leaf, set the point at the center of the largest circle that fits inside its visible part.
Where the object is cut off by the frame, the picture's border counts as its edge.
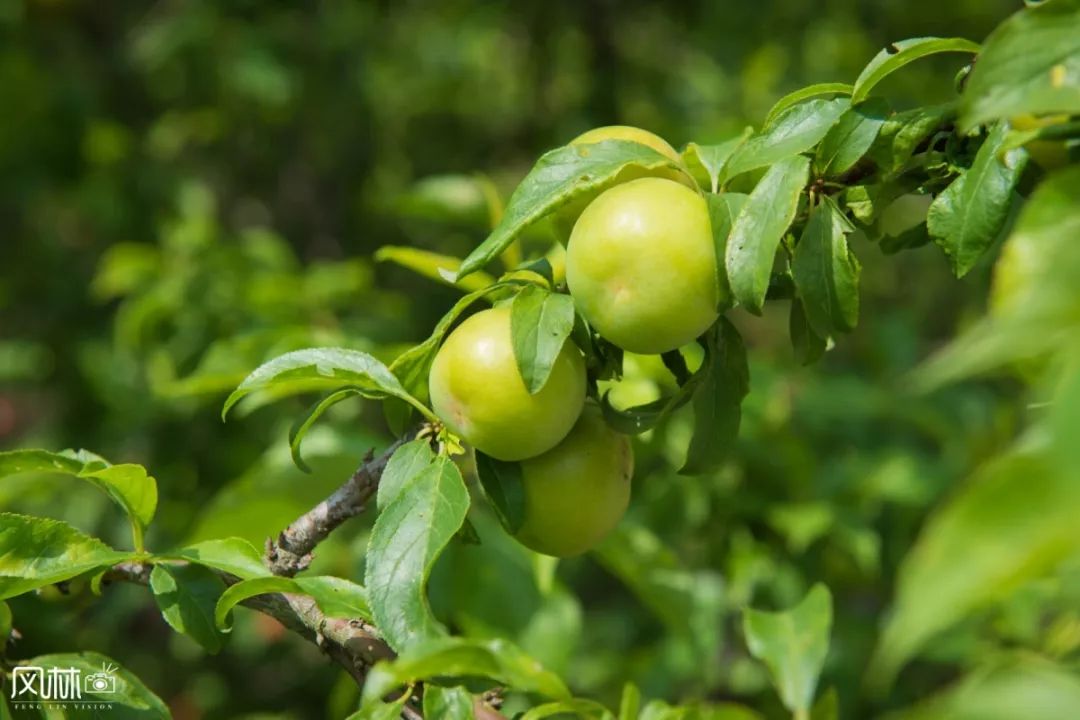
(826, 272)
(130, 693)
(540, 323)
(897, 55)
(796, 130)
(803, 94)
(335, 596)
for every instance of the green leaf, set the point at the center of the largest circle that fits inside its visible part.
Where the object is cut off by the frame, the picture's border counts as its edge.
(441, 268)
(718, 401)
(795, 131)
(826, 272)
(723, 209)
(128, 485)
(904, 132)
(1013, 521)
(411, 531)
(1029, 64)
(756, 233)
(899, 54)
(131, 694)
(35, 552)
(642, 418)
(454, 658)
(302, 425)
(558, 177)
(802, 94)
(504, 489)
(793, 644)
(850, 138)
(630, 702)
(186, 595)
(579, 707)
(540, 322)
(379, 710)
(807, 344)
(5, 625)
(323, 368)
(706, 162)
(335, 596)
(967, 216)
(454, 703)
(1025, 687)
(827, 707)
(404, 465)
(231, 555)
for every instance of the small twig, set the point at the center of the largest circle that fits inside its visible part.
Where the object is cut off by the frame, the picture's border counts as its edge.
(291, 552)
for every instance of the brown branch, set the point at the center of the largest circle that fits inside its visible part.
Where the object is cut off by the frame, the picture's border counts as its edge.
(292, 552)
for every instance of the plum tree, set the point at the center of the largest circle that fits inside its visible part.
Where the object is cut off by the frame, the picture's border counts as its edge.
(477, 390)
(642, 266)
(577, 492)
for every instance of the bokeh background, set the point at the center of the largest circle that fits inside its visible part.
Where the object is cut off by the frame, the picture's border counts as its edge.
(189, 188)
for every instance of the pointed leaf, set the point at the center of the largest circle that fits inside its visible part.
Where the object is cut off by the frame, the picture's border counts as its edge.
(793, 644)
(1030, 64)
(807, 344)
(762, 222)
(796, 130)
(540, 322)
(404, 465)
(578, 707)
(130, 691)
(35, 552)
(718, 401)
(437, 267)
(706, 162)
(231, 555)
(826, 272)
(899, 54)
(335, 596)
(557, 178)
(411, 531)
(454, 703)
(802, 94)
(723, 209)
(503, 487)
(967, 216)
(186, 595)
(128, 484)
(849, 139)
(496, 660)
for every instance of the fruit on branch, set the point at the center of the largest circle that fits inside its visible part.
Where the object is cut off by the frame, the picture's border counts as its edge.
(477, 390)
(641, 265)
(577, 492)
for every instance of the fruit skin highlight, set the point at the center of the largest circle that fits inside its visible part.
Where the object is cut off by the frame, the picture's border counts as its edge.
(477, 390)
(642, 268)
(577, 492)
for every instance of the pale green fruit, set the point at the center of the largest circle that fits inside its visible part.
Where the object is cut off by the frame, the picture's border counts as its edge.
(577, 492)
(477, 390)
(641, 265)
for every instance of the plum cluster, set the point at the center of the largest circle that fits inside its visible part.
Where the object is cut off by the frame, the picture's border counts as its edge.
(642, 270)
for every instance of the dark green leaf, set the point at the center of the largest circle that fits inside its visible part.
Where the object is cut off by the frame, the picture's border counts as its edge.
(718, 400)
(1029, 64)
(540, 322)
(793, 644)
(899, 54)
(905, 132)
(706, 162)
(909, 239)
(5, 625)
(641, 418)
(967, 216)
(723, 209)
(128, 485)
(850, 138)
(808, 345)
(303, 424)
(35, 552)
(323, 368)
(756, 233)
(557, 178)
(827, 707)
(676, 364)
(496, 660)
(186, 596)
(132, 699)
(441, 268)
(336, 597)
(231, 555)
(826, 272)
(503, 486)
(411, 531)
(796, 130)
(802, 94)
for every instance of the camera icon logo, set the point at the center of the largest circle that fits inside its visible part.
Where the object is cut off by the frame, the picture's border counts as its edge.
(100, 683)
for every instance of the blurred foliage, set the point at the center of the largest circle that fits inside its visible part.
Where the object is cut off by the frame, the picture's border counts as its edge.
(188, 189)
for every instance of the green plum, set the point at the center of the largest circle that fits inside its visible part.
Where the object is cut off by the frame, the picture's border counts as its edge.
(577, 492)
(642, 267)
(477, 390)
